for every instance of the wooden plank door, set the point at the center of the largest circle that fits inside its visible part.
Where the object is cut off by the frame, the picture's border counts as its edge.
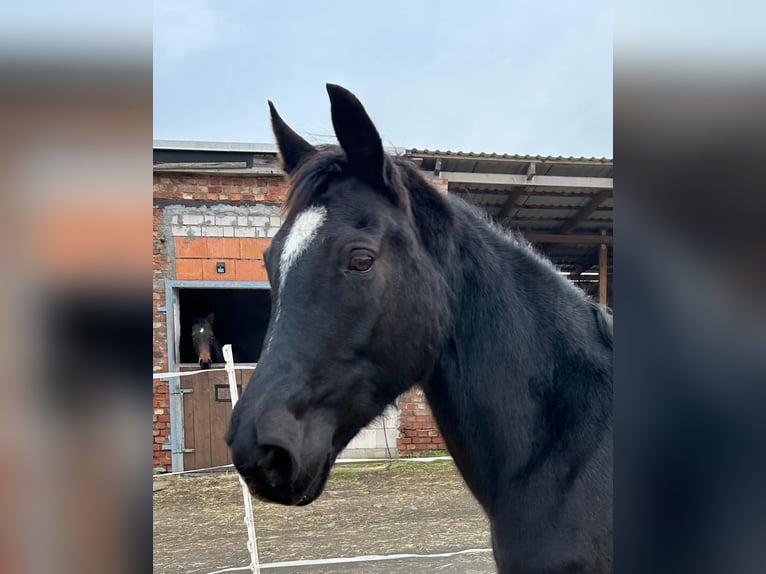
(207, 409)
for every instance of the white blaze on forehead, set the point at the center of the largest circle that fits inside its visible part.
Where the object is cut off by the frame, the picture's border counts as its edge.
(302, 233)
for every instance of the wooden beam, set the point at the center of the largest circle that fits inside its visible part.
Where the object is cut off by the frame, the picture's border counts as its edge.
(602, 269)
(542, 206)
(490, 179)
(577, 239)
(585, 211)
(510, 202)
(579, 192)
(552, 218)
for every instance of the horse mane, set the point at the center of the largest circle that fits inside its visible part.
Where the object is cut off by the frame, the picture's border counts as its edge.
(604, 320)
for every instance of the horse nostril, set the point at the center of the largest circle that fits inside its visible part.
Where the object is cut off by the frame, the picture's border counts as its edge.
(276, 466)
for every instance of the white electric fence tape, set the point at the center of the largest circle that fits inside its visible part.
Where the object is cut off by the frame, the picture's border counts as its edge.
(351, 559)
(252, 545)
(187, 373)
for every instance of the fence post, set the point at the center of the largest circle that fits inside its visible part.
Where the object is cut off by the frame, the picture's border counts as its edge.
(252, 545)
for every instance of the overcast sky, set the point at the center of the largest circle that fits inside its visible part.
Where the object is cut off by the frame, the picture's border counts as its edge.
(507, 76)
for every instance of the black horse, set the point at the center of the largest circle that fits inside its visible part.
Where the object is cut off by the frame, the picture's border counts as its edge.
(379, 282)
(206, 346)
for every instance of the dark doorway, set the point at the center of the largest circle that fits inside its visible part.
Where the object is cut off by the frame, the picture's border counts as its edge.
(241, 319)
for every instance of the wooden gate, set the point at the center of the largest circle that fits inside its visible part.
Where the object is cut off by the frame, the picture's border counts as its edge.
(207, 408)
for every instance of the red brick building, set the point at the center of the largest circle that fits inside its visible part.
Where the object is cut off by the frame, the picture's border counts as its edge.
(216, 207)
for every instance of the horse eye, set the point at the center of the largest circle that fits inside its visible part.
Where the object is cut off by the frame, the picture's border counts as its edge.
(361, 260)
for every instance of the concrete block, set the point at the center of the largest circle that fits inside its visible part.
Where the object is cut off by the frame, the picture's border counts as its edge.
(193, 219)
(213, 231)
(244, 232)
(186, 230)
(225, 220)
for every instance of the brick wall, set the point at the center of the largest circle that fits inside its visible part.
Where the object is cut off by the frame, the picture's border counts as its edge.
(227, 189)
(418, 431)
(161, 401)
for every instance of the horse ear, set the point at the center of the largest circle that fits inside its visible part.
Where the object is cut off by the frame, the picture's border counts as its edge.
(356, 132)
(210, 318)
(293, 148)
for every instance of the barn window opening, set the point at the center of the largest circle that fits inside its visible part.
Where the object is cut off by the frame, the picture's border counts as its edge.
(240, 318)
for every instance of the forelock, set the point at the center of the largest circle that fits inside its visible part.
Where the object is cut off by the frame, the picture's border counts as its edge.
(314, 175)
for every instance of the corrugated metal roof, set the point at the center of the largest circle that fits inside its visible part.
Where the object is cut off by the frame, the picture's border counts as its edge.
(516, 157)
(579, 204)
(515, 164)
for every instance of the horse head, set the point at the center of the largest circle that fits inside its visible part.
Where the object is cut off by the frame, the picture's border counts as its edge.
(203, 340)
(358, 308)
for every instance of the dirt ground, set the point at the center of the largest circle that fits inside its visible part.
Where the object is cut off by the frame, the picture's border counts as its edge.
(378, 508)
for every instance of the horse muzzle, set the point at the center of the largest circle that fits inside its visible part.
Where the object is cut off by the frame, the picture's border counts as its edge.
(271, 479)
(205, 360)
(274, 470)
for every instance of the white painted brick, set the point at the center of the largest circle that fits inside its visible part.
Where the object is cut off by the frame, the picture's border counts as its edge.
(213, 231)
(260, 232)
(275, 221)
(225, 220)
(209, 219)
(175, 220)
(186, 230)
(244, 232)
(193, 219)
(242, 220)
(228, 231)
(272, 232)
(258, 220)
(389, 434)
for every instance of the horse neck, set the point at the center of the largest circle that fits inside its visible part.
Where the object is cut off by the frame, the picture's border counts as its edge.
(513, 317)
(504, 290)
